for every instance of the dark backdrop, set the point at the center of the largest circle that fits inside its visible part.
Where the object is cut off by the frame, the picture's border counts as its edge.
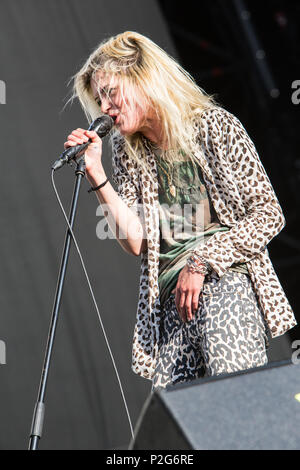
(42, 45)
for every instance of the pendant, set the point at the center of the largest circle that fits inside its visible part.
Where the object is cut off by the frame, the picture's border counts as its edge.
(172, 190)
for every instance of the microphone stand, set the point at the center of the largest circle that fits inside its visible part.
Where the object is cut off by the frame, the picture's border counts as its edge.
(39, 410)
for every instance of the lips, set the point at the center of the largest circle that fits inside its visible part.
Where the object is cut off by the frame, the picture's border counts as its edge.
(114, 117)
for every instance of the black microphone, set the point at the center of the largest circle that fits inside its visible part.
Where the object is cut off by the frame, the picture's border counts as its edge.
(102, 125)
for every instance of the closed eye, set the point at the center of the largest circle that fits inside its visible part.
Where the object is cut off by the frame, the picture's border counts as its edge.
(111, 92)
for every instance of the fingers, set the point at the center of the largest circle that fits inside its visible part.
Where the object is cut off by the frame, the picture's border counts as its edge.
(81, 136)
(188, 307)
(188, 288)
(186, 304)
(93, 136)
(180, 305)
(77, 137)
(195, 302)
(182, 308)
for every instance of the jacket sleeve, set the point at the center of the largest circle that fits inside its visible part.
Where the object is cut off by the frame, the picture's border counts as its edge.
(125, 177)
(230, 149)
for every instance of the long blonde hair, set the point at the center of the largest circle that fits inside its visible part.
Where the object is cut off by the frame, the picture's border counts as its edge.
(166, 86)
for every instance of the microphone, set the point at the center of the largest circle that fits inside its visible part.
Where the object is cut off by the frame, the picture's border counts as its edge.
(102, 125)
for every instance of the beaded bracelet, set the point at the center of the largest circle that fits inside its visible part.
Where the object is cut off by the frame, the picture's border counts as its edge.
(198, 264)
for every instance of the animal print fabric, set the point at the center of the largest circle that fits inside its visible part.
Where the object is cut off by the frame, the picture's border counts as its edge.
(243, 199)
(227, 333)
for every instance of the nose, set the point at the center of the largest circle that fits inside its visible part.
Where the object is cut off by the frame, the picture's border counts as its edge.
(105, 105)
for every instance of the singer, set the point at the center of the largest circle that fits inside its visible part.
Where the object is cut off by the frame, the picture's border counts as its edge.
(201, 211)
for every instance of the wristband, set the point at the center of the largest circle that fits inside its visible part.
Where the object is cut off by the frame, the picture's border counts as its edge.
(97, 187)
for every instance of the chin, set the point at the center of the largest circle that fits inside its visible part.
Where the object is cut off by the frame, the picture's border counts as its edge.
(128, 128)
(125, 131)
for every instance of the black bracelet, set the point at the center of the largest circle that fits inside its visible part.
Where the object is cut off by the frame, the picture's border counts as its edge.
(97, 187)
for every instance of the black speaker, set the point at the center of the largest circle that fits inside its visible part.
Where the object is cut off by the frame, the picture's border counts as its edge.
(254, 409)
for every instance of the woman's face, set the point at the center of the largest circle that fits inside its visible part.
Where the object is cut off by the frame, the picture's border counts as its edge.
(125, 106)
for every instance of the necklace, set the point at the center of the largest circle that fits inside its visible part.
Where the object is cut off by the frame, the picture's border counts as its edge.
(172, 188)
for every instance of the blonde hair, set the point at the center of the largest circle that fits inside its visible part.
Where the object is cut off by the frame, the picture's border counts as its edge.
(137, 61)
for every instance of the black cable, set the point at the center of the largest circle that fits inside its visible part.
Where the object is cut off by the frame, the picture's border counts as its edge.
(95, 303)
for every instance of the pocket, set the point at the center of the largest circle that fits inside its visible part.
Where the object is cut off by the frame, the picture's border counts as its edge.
(215, 286)
(216, 289)
(229, 283)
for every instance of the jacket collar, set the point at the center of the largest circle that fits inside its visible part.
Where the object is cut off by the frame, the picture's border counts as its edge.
(198, 152)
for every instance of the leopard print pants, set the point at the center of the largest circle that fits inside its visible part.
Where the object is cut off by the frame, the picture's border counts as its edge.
(226, 334)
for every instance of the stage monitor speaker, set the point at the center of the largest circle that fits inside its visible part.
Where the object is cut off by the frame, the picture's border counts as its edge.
(254, 409)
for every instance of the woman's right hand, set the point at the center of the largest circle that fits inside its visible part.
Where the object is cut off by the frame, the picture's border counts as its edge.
(93, 153)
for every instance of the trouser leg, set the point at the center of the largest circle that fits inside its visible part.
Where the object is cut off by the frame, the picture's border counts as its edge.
(227, 333)
(177, 360)
(228, 328)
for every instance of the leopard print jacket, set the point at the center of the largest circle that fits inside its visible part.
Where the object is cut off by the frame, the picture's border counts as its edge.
(244, 200)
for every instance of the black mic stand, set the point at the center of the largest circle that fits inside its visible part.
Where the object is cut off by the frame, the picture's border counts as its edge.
(38, 416)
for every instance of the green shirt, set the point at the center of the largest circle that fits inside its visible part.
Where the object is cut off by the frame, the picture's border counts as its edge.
(186, 218)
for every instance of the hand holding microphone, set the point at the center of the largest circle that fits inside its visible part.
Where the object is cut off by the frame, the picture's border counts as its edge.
(88, 143)
(82, 141)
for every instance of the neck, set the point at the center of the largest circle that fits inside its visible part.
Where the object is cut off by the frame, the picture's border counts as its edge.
(153, 132)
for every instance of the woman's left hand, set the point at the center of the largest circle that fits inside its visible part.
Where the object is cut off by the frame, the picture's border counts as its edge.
(187, 292)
